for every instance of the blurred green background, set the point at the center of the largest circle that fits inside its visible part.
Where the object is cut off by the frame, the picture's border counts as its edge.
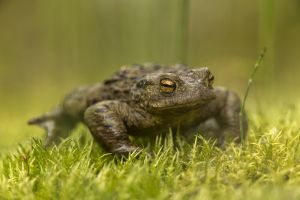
(49, 47)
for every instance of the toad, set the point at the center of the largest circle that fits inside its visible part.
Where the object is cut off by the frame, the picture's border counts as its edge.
(145, 100)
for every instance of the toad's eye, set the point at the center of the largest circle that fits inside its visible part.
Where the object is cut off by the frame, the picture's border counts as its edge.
(167, 86)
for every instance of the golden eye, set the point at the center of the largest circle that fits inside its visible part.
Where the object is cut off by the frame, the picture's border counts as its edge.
(167, 86)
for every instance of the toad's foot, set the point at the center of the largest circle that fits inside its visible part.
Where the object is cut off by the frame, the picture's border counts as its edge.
(56, 123)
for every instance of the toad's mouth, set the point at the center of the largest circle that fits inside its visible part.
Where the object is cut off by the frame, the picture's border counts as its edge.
(181, 106)
(182, 103)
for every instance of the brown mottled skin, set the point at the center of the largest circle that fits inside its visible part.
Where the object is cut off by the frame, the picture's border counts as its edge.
(145, 100)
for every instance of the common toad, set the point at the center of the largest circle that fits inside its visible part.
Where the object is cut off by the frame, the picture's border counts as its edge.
(145, 100)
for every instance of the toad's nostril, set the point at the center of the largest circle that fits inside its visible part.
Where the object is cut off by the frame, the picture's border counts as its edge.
(210, 79)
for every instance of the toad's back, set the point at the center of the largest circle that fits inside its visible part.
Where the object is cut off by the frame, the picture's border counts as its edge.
(116, 88)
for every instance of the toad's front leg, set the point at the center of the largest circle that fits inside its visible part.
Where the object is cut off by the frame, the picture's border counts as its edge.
(107, 123)
(228, 108)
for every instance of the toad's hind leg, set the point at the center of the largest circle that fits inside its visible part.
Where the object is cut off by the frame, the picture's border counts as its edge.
(57, 123)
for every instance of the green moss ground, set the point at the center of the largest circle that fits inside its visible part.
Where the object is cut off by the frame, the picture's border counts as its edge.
(266, 167)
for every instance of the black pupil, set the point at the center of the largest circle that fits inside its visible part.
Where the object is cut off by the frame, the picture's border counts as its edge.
(168, 85)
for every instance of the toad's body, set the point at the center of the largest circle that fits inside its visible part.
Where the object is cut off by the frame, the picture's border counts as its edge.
(145, 100)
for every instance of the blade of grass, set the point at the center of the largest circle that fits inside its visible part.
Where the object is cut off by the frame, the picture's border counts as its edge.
(250, 81)
(183, 32)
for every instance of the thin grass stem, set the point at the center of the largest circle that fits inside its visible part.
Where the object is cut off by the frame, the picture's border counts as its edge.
(250, 81)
